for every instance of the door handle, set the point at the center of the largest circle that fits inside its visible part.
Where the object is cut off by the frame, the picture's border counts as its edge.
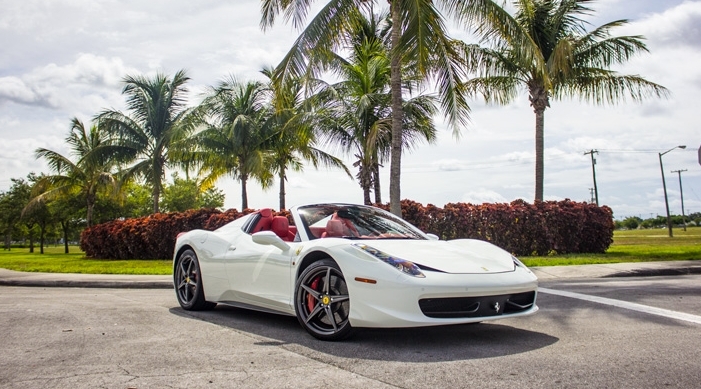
(232, 248)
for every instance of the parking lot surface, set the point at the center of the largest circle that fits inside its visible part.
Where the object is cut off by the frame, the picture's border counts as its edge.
(140, 338)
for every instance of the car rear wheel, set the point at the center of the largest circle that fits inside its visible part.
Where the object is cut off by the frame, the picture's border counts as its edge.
(322, 303)
(187, 279)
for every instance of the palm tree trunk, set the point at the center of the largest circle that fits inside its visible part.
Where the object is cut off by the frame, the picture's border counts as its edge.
(156, 195)
(539, 98)
(282, 188)
(366, 183)
(90, 206)
(397, 114)
(376, 179)
(244, 195)
(157, 175)
(539, 145)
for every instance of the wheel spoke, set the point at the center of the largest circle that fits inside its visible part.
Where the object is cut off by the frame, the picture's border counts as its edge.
(327, 281)
(332, 318)
(183, 271)
(339, 298)
(311, 292)
(187, 293)
(313, 313)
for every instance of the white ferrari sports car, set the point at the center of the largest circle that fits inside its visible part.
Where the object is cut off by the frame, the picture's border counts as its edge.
(341, 266)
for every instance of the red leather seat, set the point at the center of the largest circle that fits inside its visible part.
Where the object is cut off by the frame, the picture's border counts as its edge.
(281, 227)
(266, 220)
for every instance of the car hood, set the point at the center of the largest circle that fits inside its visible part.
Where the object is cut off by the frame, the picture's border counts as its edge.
(455, 256)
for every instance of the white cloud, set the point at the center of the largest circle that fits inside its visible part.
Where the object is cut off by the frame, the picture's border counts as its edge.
(483, 195)
(90, 82)
(14, 89)
(676, 26)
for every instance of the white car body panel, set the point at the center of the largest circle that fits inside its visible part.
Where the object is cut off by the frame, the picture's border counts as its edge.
(238, 271)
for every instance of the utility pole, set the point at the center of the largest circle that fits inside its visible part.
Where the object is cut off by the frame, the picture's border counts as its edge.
(664, 188)
(681, 191)
(591, 193)
(593, 170)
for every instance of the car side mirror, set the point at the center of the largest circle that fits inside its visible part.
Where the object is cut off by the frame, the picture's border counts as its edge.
(270, 238)
(433, 236)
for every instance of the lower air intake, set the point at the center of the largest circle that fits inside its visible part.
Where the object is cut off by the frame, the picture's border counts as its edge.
(480, 306)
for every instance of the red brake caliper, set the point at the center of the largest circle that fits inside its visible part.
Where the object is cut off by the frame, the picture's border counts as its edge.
(311, 300)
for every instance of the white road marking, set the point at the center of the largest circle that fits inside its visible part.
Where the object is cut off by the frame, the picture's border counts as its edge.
(626, 305)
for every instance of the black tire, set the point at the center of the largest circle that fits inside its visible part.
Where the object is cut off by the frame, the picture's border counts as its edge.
(188, 283)
(322, 302)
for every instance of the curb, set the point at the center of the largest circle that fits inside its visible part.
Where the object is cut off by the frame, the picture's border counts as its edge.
(656, 272)
(87, 284)
(544, 273)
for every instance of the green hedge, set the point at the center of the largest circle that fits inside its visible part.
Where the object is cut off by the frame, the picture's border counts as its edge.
(519, 227)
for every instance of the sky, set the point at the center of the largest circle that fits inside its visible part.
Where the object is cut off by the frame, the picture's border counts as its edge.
(66, 58)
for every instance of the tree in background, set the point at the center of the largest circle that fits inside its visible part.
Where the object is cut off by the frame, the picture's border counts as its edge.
(11, 204)
(91, 173)
(418, 37)
(63, 211)
(552, 55)
(360, 104)
(185, 194)
(294, 125)
(158, 121)
(234, 134)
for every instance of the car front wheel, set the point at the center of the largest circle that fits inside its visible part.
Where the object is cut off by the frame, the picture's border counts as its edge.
(322, 303)
(187, 279)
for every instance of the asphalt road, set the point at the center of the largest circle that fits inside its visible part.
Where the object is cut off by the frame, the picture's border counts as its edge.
(596, 337)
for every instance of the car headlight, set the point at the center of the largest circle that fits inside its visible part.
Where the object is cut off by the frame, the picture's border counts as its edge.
(404, 266)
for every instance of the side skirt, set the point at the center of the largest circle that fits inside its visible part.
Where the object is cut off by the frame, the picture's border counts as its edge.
(255, 308)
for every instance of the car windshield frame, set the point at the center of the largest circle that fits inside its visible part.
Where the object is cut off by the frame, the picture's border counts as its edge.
(357, 222)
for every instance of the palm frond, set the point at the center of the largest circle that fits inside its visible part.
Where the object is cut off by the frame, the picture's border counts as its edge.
(606, 87)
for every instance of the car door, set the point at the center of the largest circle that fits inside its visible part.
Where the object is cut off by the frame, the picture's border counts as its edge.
(260, 274)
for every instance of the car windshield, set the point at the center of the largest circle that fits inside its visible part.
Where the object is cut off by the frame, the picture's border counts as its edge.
(354, 222)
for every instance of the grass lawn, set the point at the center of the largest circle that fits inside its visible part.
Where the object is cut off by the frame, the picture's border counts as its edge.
(635, 246)
(628, 246)
(54, 260)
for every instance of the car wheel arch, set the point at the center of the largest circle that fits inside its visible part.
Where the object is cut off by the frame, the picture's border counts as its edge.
(310, 258)
(182, 249)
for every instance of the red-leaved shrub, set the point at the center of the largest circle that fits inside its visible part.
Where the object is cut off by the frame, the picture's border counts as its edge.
(519, 227)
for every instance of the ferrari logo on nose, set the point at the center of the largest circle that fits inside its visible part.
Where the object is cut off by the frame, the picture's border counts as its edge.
(496, 306)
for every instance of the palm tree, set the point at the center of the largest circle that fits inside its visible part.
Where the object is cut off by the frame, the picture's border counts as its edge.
(293, 127)
(91, 173)
(555, 58)
(361, 101)
(418, 36)
(158, 121)
(232, 142)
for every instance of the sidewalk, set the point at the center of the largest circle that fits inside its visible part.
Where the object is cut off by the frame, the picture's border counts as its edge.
(545, 273)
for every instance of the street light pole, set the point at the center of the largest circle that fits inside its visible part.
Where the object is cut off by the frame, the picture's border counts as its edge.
(681, 191)
(664, 187)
